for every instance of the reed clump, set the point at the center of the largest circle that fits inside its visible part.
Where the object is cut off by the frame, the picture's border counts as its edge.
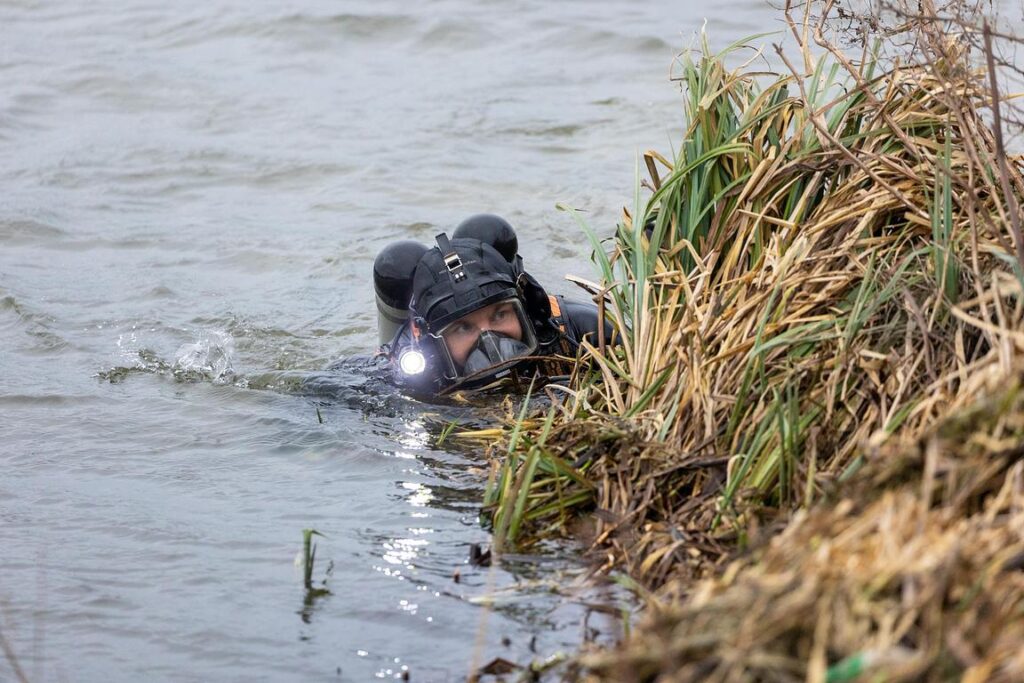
(826, 268)
(913, 573)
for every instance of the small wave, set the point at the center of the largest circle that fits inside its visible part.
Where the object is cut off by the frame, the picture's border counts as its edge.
(123, 92)
(296, 174)
(92, 243)
(159, 292)
(165, 175)
(604, 41)
(282, 381)
(46, 341)
(26, 231)
(266, 346)
(304, 30)
(458, 35)
(564, 131)
(257, 261)
(9, 303)
(22, 113)
(142, 361)
(208, 357)
(354, 25)
(44, 400)
(35, 325)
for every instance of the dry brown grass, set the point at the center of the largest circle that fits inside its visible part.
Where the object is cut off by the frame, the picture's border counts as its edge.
(829, 268)
(914, 572)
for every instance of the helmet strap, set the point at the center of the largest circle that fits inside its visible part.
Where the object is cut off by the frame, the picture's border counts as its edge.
(451, 259)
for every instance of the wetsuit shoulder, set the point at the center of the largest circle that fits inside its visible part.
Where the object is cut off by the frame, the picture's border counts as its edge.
(581, 320)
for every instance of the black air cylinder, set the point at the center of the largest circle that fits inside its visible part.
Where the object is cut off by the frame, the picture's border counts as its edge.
(392, 281)
(492, 230)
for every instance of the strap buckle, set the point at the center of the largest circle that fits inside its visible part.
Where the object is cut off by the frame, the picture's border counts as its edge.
(451, 260)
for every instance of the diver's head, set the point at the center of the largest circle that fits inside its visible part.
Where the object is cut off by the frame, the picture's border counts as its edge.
(467, 301)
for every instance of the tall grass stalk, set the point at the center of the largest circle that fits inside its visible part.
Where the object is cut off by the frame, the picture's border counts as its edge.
(815, 270)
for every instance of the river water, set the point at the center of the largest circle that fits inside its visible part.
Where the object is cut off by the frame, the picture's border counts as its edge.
(192, 197)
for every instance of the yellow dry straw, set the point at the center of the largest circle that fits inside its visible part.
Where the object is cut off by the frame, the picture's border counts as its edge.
(827, 262)
(914, 574)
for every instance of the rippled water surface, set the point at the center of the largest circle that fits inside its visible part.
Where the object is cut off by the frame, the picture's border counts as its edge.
(191, 197)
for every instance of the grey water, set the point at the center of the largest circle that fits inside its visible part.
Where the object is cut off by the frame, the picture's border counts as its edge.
(191, 198)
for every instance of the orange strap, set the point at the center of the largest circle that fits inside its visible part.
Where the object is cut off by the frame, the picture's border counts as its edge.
(556, 311)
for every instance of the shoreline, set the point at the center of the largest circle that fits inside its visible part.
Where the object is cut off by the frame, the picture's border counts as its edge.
(827, 273)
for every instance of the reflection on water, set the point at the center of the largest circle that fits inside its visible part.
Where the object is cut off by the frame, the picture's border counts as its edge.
(309, 604)
(193, 197)
(414, 436)
(420, 496)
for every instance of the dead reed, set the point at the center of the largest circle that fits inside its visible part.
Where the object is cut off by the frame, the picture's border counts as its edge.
(914, 573)
(821, 302)
(830, 259)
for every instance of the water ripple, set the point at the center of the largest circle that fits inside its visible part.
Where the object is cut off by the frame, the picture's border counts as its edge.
(193, 197)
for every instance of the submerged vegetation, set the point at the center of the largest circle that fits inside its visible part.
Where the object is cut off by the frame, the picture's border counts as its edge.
(820, 298)
(307, 558)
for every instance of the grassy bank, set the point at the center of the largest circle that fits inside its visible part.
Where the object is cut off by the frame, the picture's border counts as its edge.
(911, 573)
(826, 270)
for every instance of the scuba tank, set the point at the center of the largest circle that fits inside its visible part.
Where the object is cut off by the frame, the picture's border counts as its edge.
(492, 230)
(392, 283)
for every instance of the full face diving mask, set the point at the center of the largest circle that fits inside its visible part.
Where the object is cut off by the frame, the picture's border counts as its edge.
(484, 344)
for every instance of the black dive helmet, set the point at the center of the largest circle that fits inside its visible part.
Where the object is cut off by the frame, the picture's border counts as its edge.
(497, 232)
(422, 290)
(467, 306)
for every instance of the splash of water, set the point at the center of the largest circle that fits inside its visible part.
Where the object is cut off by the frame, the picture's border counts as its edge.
(208, 357)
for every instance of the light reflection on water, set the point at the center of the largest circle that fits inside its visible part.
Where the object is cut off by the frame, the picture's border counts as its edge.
(415, 435)
(421, 495)
(193, 197)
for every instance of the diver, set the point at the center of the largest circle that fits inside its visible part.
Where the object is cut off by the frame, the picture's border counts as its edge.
(465, 314)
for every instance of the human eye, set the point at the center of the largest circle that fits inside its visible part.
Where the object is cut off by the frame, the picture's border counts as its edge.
(502, 313)
(459, 329)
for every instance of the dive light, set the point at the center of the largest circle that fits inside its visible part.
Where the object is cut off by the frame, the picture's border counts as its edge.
(412, 362)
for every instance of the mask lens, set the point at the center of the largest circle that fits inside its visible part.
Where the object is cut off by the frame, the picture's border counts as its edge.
(493, 336)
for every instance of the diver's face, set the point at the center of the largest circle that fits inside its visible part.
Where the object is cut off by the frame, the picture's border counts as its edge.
(461, 335)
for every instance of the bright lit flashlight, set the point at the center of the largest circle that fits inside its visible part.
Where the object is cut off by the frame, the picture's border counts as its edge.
(412, 362)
